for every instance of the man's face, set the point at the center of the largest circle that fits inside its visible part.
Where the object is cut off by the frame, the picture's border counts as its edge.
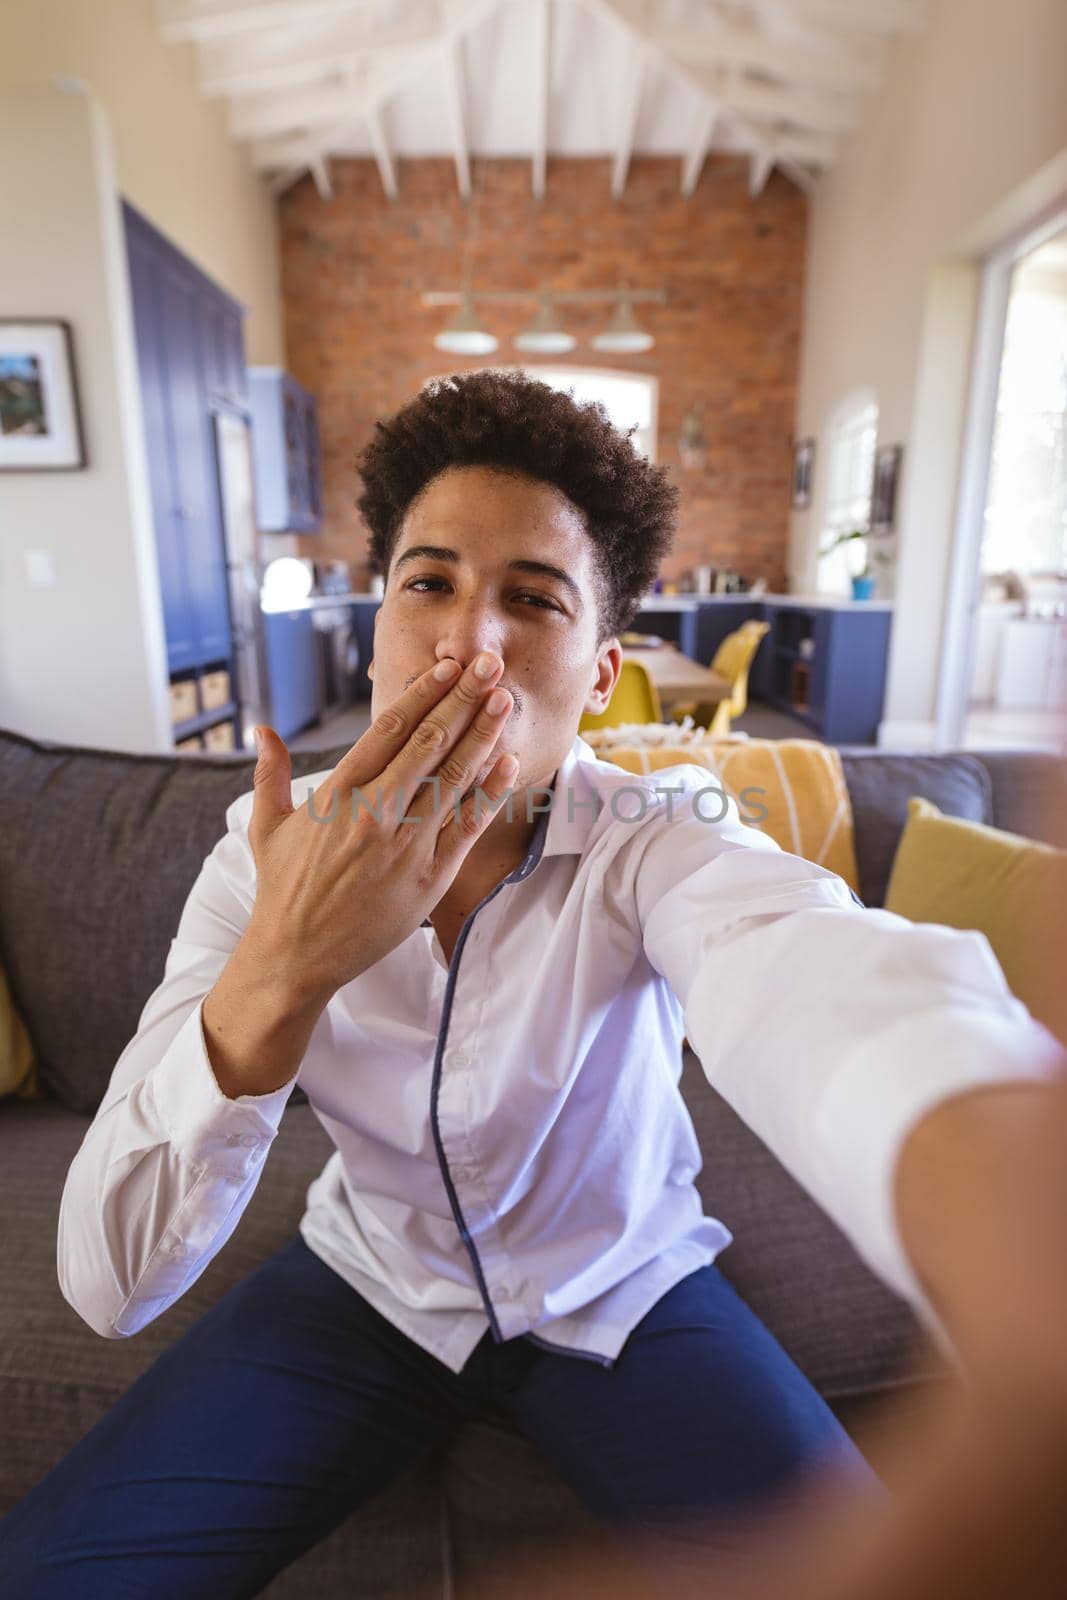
(467, 597)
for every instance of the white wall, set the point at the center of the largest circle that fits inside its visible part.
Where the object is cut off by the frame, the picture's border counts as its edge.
(966, 141)
(84, 659)
(175, 159)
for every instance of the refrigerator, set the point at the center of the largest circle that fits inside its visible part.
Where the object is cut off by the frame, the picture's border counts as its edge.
(244, 567)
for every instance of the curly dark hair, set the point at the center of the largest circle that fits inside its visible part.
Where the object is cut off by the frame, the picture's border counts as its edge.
(506, 420)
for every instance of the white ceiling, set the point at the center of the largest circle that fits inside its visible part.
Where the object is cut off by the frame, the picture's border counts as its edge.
(783, 81)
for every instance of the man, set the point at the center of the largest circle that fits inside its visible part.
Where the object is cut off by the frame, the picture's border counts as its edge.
(484, 1003)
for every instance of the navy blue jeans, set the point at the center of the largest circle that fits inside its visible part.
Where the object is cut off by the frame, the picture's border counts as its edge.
(292, 1401)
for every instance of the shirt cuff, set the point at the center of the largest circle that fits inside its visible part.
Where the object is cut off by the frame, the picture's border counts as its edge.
(200, 1121)
(865, 1117)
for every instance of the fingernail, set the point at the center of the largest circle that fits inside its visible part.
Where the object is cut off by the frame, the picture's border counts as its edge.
(257, 734)
(445, 670)
(485, 666)
(497, 702)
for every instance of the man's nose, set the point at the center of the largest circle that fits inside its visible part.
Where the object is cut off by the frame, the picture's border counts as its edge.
(467, 636)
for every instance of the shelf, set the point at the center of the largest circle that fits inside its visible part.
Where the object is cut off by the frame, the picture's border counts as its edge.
(206, 719)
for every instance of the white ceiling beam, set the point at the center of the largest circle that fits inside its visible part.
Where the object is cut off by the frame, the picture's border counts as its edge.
(808, 147)
(287, 58)
(879, 16)
(382, 153)
(200, 20)
(452, 68)
(838, 66)
(320, 172)
(820, 113)
(761, 164)
(780, 22)
(630, 105)
(540, 61)
(289, 157)
(800, 175)
(270, 115)
(693, 161)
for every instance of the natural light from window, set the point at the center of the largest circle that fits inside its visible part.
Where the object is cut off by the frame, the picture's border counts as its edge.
(1026, 512)
(850, 476)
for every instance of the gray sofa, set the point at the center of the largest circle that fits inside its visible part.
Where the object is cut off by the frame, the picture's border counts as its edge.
(98, 851)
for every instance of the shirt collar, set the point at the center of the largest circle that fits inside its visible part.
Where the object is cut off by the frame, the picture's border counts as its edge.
(565, 827)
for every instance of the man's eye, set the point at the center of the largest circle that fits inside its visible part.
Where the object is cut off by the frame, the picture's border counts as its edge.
(522, 594)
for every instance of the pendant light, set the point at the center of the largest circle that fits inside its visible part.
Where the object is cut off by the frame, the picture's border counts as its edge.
(544, 336)
(623, 336)
(465, 335)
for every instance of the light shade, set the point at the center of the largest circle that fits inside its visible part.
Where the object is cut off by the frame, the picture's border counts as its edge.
(287, 580)
(544, 336)
(465, 335)
(622, 336)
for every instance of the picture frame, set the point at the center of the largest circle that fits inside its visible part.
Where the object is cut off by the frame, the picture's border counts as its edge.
(803, 468)
(40, 416)
(884, 488)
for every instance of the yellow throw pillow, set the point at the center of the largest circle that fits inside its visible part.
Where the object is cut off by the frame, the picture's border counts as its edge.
(1012, 889)
(800, 783)
(18, 1069)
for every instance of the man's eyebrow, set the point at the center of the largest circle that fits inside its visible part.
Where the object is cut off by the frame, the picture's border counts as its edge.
(544, 569)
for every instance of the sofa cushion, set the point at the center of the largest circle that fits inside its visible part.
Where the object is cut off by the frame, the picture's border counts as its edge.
(1012, 889)
(57, 1377)
(98, 852)
(880, 783)
(792, 789)
(1029, 793)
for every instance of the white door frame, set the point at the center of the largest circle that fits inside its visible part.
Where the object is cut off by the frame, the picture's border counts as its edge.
(964, 578)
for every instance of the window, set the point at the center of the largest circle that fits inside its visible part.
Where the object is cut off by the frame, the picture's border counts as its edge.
(850, 474)
(628, 397)
(1026, 512)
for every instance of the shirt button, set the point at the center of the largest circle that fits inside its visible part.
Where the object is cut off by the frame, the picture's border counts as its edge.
(458, 1058)
(461, 1174)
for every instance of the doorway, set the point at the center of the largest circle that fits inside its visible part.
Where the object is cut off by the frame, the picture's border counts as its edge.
(1011, 691)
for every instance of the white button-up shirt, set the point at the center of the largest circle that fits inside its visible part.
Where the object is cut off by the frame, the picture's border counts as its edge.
(513, 1151)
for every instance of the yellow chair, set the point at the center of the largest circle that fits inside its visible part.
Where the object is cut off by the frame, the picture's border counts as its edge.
(634, 699)
(733, 659)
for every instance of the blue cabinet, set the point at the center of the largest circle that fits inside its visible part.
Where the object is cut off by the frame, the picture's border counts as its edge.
(190, 350)
(828, 666)
(293, 669)
(824, 664)
(285, 449)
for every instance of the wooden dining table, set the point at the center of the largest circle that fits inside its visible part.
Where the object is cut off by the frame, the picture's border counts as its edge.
(677, 676)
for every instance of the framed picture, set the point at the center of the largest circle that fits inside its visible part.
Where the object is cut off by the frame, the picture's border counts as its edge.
(803, 465)
(40, 422)
(884, 488)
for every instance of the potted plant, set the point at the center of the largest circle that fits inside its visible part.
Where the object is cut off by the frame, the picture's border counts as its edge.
(863, 581)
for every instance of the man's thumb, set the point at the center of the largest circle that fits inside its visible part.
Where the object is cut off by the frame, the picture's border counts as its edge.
(273, 777)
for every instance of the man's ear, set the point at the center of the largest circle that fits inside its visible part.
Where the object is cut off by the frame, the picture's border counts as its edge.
(374, 629)
(609, 665)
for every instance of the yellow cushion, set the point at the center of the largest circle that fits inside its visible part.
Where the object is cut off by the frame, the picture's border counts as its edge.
(18, 1069)
(1012, 889)
(801, 784)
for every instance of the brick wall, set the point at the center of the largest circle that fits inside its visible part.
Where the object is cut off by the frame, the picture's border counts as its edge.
(353, 269)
